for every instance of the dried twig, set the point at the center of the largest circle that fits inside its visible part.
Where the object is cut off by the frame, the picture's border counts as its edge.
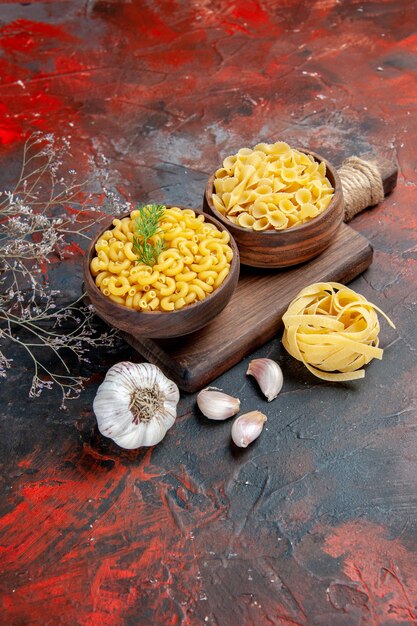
(33, 227)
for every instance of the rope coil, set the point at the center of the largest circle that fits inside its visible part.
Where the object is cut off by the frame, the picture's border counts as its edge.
(362, 185)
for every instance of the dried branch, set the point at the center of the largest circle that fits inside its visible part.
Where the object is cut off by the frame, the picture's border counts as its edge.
(34, 224)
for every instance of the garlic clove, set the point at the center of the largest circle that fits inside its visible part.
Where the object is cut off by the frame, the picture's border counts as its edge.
(268, 375)
(247, 427)
(136, 404)
(217, 405)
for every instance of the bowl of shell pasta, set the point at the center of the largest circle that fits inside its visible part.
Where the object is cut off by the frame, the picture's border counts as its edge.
(161, 271)
(282, 205)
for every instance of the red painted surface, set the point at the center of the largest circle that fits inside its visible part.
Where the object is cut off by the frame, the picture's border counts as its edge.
(315, 524)
(381, 571)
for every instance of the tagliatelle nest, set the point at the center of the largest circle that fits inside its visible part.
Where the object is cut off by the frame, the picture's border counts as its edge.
(333, 330)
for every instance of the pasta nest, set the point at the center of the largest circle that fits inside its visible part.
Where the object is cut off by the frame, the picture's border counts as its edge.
(271, 187)
(331, 328)
(195, 262)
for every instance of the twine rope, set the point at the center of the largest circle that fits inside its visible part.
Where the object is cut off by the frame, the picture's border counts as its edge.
(362, 185)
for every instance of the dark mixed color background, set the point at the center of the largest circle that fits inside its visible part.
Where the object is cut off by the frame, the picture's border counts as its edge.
(315, 523)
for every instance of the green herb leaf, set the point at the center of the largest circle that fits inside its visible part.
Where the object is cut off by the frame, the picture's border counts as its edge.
(146, 227)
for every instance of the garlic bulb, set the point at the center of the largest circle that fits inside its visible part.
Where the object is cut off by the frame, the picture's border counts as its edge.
(268, 375)
(136, 404)
(217, 405)
(246, 428)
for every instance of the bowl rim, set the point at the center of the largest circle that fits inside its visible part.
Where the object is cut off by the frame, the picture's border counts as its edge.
(125, 309)
(338, 195)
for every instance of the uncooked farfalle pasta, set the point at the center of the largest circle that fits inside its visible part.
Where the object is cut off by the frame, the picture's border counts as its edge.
(271, 187)
(195, 261)
(333, 331)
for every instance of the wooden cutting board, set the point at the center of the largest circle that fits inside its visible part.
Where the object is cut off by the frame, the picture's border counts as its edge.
(253, 315)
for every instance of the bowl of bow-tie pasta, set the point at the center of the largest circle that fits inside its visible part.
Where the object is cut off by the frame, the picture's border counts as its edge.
(161, 271)
(282, 205)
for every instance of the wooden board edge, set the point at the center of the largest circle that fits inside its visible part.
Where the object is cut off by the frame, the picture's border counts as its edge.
(147, 348)
(388, 169)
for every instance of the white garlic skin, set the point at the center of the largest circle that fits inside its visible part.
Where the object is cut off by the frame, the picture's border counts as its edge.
(118, 419)
(247, 427)
(217, 405)
(268, 375)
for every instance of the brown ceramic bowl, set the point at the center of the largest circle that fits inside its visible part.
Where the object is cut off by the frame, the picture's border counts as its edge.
(283, 248)
(160, 324)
